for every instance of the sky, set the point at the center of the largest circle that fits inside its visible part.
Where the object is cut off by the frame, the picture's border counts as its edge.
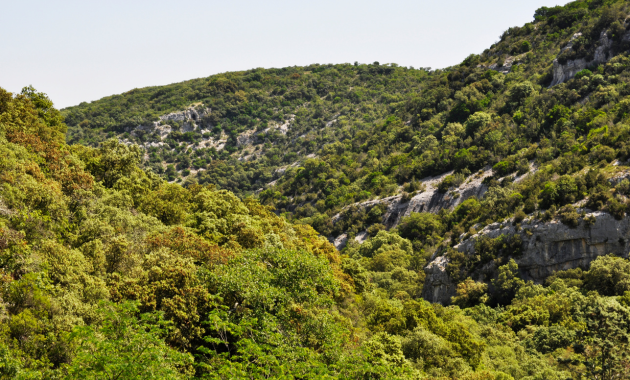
(79, 51)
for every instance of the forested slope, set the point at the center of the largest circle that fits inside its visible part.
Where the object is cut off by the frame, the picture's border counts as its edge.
(110, 272)
(233, 134)
(111, 268)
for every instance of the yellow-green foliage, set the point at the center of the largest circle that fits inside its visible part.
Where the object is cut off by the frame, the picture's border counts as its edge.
(83, 227)
(108, 271)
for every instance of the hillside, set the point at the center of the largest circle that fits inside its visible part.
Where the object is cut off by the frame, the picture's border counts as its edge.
(313, 140)
(241, 130)
(359, 221)
(108, 271)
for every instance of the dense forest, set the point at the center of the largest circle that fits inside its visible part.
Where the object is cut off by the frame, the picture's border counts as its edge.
(138, 245)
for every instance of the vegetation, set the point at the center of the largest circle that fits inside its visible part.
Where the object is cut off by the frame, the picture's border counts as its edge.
(110, 268)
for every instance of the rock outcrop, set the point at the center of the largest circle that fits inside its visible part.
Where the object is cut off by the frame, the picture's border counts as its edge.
(547, 248)
(438, 286)
(188, 120)
(429, 200)
(603, 52)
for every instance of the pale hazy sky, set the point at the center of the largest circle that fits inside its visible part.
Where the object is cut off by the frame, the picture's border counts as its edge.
(83, 50)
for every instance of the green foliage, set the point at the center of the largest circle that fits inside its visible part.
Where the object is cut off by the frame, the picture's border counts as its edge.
(422, 226)
(352, 133)
(470, 293)
(507, 283)
(107, 270)
(608, 275)
(124, 347)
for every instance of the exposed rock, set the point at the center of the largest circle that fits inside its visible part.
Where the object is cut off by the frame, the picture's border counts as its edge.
(547, 248)
(334, 119)
(430, 200)
(361, 237)
(618, 178)
(186, 115)
(246, 138)
(438, 287)
(341, 241)
(506, 67)
(562, 73)
(189, 119)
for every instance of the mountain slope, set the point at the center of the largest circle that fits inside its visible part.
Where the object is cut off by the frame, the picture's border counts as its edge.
(458, 186)
(247, 124)
(322, 137)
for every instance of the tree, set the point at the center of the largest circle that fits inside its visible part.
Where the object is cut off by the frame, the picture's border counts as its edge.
(126, 347)
(421, 226)
(507, 283)
(477, 121)
(521, 91)
(609, 276)
(116, 160)
(606, 339)
(470, 293)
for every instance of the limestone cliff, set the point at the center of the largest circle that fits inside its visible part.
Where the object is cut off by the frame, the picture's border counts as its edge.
(603, 52)
(429, 200)
(547, 247)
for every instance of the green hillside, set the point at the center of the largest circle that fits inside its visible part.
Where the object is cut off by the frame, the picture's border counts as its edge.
(353, 97)
(360, 132)
(183, 231)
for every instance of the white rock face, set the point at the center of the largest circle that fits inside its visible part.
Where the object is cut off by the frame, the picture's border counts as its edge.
(361, 237)
(190, 118)
(507, 65)
(189, 114)
(430, 200)
(562, 73)
(341, 241)
(547, 248)
(438, 286)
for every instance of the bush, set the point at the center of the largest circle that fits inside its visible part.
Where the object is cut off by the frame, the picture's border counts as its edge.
(503, 168)
(548, 339)
(583, 73)
(519, 216)
(450, 181)
(489, 249)
(617, 208)
(569, 216)
(507, 283)
(602, 153)
(470, 293)
(609, 276)
(421, 226)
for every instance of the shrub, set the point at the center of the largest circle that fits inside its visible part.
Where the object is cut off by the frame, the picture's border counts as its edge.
(450, 181)
(470, 293)
(507, 283)
(519, 216)
(548, 339)
(583, 73)
(617, 208)
(503, 168)
(421, 226)
(602, 153)
(609, 276)
(569, 216)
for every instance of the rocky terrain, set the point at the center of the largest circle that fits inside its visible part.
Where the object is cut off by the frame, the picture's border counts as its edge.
(431, 199)
(547, 247)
